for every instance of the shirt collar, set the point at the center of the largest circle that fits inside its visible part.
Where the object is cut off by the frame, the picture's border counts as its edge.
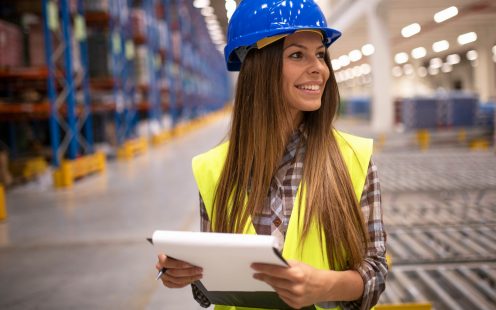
(293, 144)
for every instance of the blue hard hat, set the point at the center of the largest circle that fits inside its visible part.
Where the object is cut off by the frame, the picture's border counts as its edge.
(254, 20)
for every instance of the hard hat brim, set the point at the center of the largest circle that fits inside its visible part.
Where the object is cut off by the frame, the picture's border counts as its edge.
(234, 63)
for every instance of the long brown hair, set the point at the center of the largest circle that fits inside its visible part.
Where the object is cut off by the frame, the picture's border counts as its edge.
(258, 137)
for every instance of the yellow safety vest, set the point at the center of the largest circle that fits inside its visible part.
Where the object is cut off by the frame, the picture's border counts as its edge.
(356, 152)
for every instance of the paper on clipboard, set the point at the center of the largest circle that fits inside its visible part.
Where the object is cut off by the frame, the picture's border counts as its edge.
(225, 258)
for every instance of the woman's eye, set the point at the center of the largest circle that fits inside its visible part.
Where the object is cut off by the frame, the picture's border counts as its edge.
(296, 55)
(321, 55)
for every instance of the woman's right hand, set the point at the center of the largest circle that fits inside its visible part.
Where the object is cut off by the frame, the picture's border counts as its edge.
(178, 273)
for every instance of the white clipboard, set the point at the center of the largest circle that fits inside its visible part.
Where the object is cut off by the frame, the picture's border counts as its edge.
(225, 258)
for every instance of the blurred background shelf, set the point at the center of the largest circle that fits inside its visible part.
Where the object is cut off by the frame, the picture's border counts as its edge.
(130, 70)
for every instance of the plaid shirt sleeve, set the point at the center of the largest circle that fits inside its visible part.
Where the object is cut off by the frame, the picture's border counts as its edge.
(374, 269)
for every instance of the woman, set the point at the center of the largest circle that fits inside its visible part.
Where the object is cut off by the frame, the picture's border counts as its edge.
(285, 171)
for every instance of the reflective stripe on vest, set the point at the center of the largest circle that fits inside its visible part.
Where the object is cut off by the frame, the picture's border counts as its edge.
(356, 153)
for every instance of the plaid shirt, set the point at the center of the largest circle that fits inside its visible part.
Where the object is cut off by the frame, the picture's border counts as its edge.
(274, 220)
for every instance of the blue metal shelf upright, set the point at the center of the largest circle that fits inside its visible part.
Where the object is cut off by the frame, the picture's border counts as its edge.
(122, 54)
(60, 26)
(172, 68)
(154, 62)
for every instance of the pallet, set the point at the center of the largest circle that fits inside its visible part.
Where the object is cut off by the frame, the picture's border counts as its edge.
(71, 170)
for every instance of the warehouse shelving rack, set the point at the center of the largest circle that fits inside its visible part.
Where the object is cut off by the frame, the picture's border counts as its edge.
(71, 81)
(64, 83)
(154, 62)
(168, 69)
(121, 83)
(122, 52)
(188, 80)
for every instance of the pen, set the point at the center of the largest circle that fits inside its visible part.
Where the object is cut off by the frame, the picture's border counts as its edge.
(161, 273)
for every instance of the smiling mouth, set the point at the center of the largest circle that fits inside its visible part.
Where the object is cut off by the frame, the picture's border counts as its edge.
(309, 88)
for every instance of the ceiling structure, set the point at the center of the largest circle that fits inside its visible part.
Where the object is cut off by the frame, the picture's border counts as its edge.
(477, 16)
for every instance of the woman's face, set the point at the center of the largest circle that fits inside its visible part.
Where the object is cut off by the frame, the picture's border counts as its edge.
(304, 72)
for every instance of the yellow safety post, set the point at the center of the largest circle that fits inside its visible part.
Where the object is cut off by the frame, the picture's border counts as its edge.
(63, 177)
(125, 151)
(423, 139)
(100, 161)
(161, 137)
(406, 306)
(131, 148)
(28, 168)
(380, 141)
(462, 135)
(181, 129)
(479, 144)
(71, 170)
(3, 207)
(389, 261)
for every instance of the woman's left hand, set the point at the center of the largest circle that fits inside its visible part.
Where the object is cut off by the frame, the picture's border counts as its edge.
(298, 285)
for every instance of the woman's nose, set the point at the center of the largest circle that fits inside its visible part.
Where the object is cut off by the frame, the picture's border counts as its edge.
(316, 65)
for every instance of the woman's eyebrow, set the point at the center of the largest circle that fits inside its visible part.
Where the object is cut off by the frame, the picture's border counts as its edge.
(302, 46)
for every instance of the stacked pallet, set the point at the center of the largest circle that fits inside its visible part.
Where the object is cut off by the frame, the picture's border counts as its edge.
(358, 107)
(420, 113)
(461, 110)
(455, 110)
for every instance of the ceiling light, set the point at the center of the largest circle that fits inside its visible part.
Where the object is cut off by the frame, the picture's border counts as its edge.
(422, 72)
(445, 14)
(356, 71)
(410, 30)
(401, 58)
(435, 63)
(419, 52)
(365, 69)
(440, 46)
(453, 59)
(344, 76)
(207, 11)
(200, 4)
(368, 49)
(344, 60)
(397, 72)
(433, 71)
(349, 74)
(472, 55)
(230, 8)
(355, 55)
(230, 5)
(217, 37)
(408, 69)
(211, 18)
(494, 50)
(335, 64)
(466, 38)
(213, 27)
(446, 68)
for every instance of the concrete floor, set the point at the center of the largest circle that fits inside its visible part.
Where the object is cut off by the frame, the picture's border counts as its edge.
(85, 247)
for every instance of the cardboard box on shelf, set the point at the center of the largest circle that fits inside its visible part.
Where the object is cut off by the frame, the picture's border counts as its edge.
(10, 45)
